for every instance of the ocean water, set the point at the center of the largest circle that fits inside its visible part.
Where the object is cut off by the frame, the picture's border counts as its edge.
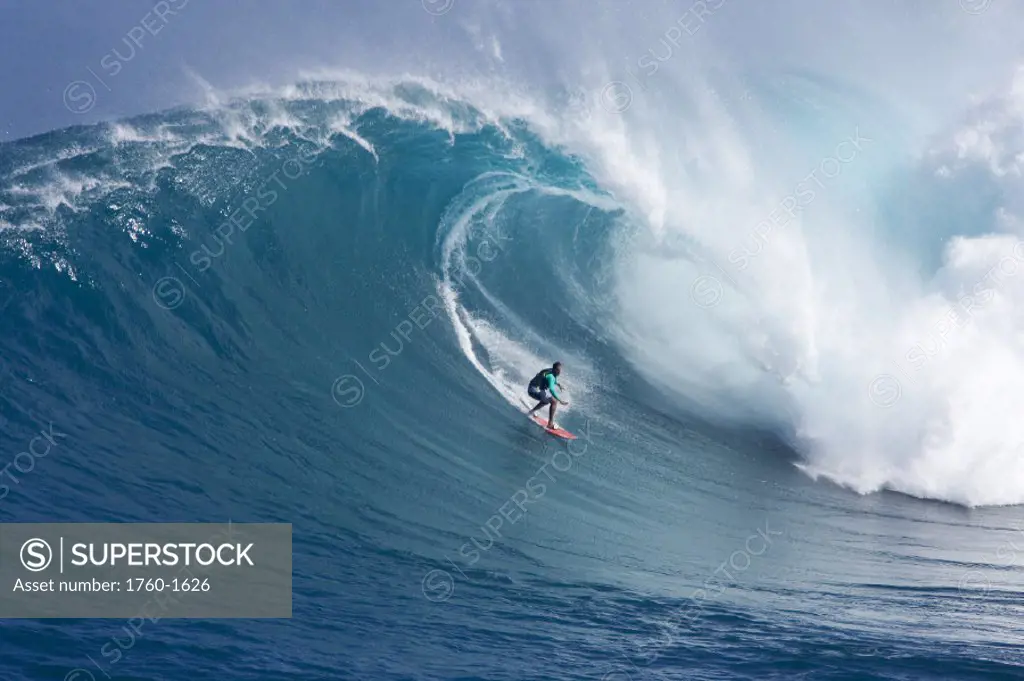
(796, 391)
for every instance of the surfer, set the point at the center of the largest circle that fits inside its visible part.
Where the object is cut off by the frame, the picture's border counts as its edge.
(540, 386)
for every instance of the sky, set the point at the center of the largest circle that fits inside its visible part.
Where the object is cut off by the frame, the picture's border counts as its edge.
(49, 46)
(61, 67)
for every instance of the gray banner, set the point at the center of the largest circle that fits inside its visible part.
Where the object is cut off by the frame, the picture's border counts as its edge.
(195, 570)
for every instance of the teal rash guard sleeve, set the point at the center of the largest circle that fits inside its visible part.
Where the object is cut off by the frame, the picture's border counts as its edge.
(551, 387)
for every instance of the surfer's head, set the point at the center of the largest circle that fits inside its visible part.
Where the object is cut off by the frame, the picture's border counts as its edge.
(556, 368)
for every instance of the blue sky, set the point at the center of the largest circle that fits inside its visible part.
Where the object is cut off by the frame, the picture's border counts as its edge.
(926, 53)
(46, 45)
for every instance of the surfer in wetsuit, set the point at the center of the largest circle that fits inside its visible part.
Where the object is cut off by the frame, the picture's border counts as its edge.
(541, 385)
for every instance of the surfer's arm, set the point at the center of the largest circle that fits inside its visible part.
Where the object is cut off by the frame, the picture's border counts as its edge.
(551, 388)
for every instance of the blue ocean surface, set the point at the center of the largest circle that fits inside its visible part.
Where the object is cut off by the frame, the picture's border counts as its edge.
(323, 309)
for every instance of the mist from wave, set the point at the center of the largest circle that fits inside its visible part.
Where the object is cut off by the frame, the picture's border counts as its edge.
(848, 245)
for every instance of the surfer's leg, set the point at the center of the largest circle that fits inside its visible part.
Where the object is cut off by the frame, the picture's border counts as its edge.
(540, 397)
(551, 414)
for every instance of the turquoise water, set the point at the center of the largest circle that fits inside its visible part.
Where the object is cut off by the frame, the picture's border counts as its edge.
(321, 312)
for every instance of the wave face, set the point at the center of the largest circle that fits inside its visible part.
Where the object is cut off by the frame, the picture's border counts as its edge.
(810, 306)
(320, 304)
(838, 293)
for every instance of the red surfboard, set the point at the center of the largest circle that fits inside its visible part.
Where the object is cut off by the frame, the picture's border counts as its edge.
(557, 432)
